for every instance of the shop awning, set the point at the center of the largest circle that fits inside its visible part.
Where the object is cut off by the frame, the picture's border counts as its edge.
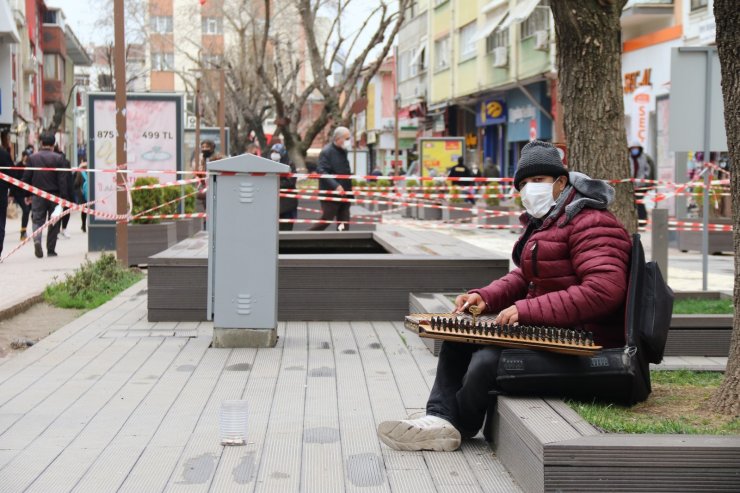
(490, 26)
(520, 13)
(8, 31)
(417, 54)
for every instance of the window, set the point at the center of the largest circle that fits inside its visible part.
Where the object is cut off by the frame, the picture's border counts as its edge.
(539, 20)
(53, 67)
(467, 42)
(163, 61)
(105, 82)
(161, 24)
(698, 4)
(213, 25)
(442, 53)
(404, 65)
(437, 3)
(418, 62)
(499, 39)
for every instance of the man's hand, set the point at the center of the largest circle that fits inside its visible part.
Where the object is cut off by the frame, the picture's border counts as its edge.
(508, 316)
(339, 189)
(28, 200)
(464, 301)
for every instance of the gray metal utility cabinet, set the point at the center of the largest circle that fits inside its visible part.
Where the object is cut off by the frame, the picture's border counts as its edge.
(243, 250)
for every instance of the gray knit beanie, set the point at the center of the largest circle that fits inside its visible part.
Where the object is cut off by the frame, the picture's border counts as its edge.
(539, 158)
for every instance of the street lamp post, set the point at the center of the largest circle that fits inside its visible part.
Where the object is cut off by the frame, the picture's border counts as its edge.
(119, 58)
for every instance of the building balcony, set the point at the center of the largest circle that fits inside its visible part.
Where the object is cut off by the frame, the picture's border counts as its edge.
(53, 91)
(53, 40)
(641, 16)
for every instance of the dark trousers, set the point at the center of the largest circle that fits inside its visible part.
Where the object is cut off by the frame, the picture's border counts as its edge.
(331, 211)
(3, 216)
(65, 218)
(288, 215)
(465, 375)
(25, 209)
(41, 210)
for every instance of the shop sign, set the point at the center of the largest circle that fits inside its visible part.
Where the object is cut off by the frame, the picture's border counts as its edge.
(471, 140)
(491, 112)
(522, 113)
(633, 80)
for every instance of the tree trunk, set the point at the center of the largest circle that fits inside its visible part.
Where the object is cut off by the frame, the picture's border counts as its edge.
(727, 17)
(589, 73)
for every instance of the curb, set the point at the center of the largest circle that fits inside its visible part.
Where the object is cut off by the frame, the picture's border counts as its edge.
(22, 306)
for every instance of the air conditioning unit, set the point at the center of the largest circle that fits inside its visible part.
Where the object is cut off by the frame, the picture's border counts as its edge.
(541, 41)
(500, 56)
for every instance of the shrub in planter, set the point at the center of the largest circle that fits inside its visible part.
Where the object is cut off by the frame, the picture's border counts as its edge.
(454, 195)
(143, 200)
(494, 190)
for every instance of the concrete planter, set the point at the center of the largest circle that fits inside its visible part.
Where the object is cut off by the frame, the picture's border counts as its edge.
(700, 334)
(145, 240)
(188, 227)
(457, 215)
(496, 220)
(719, 241)
(428, 213)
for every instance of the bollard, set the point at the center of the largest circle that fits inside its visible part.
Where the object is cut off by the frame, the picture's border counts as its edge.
(243, 250)
(659, 237)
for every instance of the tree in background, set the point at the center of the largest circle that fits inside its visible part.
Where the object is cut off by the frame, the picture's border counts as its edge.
(324, 47)
(589, 74)
(727, 16)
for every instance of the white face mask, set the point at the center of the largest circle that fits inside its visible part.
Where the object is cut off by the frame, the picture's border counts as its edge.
(275, 156)
(347, 145)
(537, 198)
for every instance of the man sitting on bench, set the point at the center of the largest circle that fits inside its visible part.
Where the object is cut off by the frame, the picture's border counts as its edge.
(572, 267)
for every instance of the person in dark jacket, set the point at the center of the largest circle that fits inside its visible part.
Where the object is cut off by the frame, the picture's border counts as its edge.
(462, 171)
(70, 192)
(54, 182)
(572, 269)
(19, 195)
(5, 161)
(288, 205)
(333, 161)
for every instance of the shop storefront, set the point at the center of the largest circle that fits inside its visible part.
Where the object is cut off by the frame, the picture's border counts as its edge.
(526, 120)
(491, 121)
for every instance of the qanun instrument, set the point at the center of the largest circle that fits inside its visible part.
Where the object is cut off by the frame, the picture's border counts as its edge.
(484, 331)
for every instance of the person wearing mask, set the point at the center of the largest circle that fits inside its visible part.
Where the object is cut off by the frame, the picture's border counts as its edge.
(642, 167)
(571, 270)
(333, 161)
(207, 154)
(253, 148)
(462, 171)
(288, 205)
(19, 195)
(53, 182)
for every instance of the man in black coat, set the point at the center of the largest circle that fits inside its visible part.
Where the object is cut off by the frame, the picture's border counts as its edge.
(5, 160)
(54, 182)
(333, 161)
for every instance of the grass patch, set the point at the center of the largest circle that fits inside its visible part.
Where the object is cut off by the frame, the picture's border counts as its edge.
(691, 306)
(679, 404)
(93, 284)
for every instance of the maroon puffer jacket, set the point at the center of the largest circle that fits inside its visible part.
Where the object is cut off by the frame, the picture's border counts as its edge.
(572, 275)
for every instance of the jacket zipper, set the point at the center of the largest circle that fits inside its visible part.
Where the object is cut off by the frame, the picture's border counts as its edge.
(534, 260)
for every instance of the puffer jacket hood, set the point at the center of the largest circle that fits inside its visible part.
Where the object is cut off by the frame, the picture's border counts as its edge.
(591, 193)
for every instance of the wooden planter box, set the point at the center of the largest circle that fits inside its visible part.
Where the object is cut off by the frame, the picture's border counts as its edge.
(719, 241)
(457, 215)
(496, 220)
(145, 240)
(428, 213)
(188, 227)
(547, 446)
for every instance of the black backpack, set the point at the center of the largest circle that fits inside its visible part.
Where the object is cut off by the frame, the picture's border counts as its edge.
(649, 305)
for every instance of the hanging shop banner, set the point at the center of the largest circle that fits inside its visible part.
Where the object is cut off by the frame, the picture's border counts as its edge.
(437, 155)
(491, 112)
(154, 133)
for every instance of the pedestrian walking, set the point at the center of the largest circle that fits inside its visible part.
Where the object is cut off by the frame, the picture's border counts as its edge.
(69, 179)
(207, 154)
(5, 160)
(333, 161)
(18, 194)
(288, 205)
(642, 167)
(53, 182)
(80, 189)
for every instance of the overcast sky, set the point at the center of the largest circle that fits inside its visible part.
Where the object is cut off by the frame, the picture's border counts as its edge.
(82, 16)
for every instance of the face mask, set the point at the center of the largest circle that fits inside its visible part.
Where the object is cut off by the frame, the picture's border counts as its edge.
(347, 145)
(635, 152)
(207, 153)
(537, 198)
(275, 156)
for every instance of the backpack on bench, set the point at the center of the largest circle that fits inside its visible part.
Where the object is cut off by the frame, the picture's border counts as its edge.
(617, 375)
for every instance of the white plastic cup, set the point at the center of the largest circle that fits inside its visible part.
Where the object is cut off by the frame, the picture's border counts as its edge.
(232, 421)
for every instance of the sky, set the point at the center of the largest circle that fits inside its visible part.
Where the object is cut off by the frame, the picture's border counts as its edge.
(82, 16)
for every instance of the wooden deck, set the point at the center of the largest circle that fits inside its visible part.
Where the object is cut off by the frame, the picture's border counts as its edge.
(112, 402)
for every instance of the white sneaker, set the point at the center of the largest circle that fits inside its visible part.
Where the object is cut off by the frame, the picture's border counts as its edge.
(65, 234)
(426, 433)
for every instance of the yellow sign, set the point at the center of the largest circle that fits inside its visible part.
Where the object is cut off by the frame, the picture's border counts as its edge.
(440, 154)
(494, 109)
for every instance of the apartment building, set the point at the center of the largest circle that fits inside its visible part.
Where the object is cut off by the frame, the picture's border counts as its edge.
(483, 70)
(41, 55)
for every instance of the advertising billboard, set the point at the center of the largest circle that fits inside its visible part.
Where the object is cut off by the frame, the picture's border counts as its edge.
(154, 141)
(438, 154)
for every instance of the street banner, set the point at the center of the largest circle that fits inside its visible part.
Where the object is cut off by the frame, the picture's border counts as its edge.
(439, 154)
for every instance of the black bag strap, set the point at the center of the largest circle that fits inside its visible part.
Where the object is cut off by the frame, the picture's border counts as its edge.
(635, 283)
